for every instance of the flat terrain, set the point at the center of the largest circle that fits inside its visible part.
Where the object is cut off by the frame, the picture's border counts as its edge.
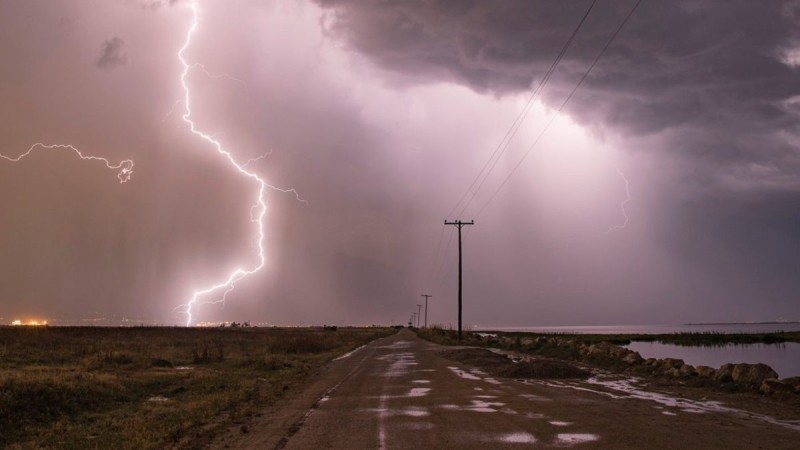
(139, 388)
(400, 392)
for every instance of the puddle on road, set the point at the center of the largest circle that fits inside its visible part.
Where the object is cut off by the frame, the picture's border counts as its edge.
(421, 381)
(400, 363)
(412, 411)
(415, 412)
(535, 398)
(517, 438)
(463, 374)
(418, 392)
(482, 406)
(474, 374)
(627, 388)
(575, 438)
(350, 353)
(560, 423)
(475, 406)
(396, 345)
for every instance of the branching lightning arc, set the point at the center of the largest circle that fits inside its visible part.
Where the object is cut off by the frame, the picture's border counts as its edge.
(125, 167)
(258, 210)
(125, 170)
(623, 203)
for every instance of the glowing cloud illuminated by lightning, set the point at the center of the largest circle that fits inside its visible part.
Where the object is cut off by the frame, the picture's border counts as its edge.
(257, 211)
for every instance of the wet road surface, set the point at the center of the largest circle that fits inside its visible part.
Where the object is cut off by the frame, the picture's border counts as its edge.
(398, 393)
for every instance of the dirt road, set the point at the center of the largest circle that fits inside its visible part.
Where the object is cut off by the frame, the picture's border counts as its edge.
(398, 392)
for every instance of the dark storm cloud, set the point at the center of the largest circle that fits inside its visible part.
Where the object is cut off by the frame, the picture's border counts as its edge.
(112, 54)
(700, 94)
(710, 74)
(709, 89)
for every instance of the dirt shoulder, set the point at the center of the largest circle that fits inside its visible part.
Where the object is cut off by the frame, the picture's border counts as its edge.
(271, 427)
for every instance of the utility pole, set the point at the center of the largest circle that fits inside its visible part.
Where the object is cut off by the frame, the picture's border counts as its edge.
(459, 224)
(427, 296)
(411, 322)
(419, 307)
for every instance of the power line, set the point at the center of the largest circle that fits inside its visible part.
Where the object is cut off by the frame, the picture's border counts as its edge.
(444, 256)
(435, 258)
(566, 100)
(517, 123)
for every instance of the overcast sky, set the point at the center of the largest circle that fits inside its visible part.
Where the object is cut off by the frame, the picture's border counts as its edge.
(667, 190)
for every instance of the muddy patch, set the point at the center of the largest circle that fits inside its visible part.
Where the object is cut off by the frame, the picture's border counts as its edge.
(517, 438)
(569, 439)
(503, 366)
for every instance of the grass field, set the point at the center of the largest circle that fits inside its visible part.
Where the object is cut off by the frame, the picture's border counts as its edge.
(90, 387)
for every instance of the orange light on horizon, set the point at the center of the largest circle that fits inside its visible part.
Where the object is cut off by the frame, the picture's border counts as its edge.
(30, 323)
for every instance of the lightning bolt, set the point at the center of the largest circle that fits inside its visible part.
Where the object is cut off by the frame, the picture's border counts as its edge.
(215, 76)
(623, 203)
(259, 209)
(125, 167)
(257, 158)
(212, 76)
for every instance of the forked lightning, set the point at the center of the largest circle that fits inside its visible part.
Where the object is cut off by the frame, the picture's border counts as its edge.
(259, 208)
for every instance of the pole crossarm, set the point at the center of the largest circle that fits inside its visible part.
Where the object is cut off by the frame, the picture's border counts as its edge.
(459, 223)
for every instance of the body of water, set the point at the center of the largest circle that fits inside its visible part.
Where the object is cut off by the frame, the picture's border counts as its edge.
(658, 329)
(783, 358)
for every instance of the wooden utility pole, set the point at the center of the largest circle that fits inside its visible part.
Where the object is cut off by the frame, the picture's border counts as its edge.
(419, 307)
(459, 224)
(427, 296)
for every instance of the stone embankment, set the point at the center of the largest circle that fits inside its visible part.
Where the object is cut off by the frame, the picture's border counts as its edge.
(754, 377)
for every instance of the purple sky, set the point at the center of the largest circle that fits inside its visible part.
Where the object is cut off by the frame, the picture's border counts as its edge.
(381, 114)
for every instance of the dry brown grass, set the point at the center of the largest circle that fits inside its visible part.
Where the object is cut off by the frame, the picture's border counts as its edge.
(150, 387)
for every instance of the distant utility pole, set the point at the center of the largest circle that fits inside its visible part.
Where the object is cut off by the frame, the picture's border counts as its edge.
(427, 296)
(459, 224)
(419, 308)
(411, 322)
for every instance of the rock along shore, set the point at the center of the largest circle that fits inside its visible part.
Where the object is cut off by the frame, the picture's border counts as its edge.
(730, 377)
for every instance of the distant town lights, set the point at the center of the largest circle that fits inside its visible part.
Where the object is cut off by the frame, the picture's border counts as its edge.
(30, 323)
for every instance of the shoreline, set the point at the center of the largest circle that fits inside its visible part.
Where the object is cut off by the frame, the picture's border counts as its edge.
(607, 352)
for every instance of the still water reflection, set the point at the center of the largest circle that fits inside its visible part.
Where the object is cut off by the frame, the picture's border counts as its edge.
(783, 358)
